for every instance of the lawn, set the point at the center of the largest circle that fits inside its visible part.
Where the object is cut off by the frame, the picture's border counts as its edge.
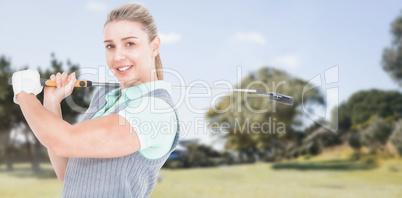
(260, 180)
(256, 180)
(23, 183)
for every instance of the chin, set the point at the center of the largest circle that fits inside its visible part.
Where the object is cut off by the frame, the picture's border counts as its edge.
(129, 81)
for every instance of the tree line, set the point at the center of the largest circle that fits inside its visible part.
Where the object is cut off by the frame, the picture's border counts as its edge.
(11, 118)
(368, 119)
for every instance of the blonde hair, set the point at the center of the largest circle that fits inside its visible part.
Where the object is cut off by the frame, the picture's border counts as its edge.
(138, 13)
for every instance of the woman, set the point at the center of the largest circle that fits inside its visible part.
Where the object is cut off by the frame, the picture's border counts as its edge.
(127, 133)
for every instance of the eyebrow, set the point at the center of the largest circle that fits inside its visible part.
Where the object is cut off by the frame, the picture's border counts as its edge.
(125, 38)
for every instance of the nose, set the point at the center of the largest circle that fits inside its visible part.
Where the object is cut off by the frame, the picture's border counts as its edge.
(119, 54)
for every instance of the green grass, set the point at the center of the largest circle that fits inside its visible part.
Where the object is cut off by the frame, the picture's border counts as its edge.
(260, 180)
(256, 180)
(22, 182)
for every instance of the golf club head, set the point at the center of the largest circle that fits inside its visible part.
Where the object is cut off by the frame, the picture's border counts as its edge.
(278, 97)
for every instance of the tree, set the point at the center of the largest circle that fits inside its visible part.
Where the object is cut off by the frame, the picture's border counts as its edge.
(270, 131)
(392, 56)
(392, 64)
(355, 113)
(199, 155)
(80, 95)
(376, 135)
(355, 140)
(344, 119)
(10, 114)
(316, 141)
(12, 117)
(396, 137)
(365, 111)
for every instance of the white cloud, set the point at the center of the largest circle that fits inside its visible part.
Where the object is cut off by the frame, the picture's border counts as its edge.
(169, 38)
(291, 61)
(253, 37)
(96, 6)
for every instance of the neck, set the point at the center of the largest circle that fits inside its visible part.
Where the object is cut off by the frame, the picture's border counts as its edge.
(150, 78)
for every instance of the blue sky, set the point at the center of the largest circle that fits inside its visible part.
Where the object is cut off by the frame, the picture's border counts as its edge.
(208, 40)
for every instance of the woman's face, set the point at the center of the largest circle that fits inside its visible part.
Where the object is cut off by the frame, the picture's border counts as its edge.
(129, 53)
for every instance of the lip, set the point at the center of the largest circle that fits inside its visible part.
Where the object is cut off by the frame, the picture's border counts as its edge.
(122, 66)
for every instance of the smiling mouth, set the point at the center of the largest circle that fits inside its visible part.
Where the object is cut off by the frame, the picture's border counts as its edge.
(122, 69)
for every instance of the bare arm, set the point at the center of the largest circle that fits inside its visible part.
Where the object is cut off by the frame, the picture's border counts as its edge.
(104, 137)
(59, 163)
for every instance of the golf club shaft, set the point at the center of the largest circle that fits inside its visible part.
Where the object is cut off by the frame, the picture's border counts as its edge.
(86, 83)
(79, 83)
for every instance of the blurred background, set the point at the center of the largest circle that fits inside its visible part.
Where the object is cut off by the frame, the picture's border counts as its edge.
(341, 61)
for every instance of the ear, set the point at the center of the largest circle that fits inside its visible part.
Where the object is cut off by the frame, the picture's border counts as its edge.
(156, 43)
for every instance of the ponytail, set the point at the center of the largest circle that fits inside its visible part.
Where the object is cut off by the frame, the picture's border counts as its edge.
(158, 67)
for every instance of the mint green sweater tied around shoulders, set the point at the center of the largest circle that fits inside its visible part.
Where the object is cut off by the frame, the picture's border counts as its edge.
(133, 175)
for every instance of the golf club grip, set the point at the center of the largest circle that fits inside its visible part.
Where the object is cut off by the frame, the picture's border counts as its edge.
(79, 83)
(46, 82)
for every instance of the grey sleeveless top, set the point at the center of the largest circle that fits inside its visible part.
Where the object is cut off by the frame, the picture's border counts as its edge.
(129, 176)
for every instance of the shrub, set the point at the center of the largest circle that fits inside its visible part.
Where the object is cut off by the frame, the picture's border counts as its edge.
(376, 134)
(396, 137)
(370, 160)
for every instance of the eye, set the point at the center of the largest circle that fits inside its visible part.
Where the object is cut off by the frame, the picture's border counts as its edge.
(109, 46)
(130, 44)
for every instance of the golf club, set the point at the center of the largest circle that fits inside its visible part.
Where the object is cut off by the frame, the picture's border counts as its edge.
(86, 83)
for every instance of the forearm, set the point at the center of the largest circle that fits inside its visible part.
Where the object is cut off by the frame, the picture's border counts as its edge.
(42, 121)
(53, 107)
(59, 163)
